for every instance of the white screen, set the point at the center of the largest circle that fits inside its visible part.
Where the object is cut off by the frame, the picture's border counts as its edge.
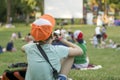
(64, 8)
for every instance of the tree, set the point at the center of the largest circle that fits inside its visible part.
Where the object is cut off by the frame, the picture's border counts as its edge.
(2, 10)
(13, 8)
(8, 11)
(116, 5)
(40, 4)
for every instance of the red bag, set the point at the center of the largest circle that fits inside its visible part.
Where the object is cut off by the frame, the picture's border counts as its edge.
(14, 75)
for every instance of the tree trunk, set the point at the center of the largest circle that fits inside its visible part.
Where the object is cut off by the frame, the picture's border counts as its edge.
(8, 11)
(41, 3)
(27, 18)
(100, 5)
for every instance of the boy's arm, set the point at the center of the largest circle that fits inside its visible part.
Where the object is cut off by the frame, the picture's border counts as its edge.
(74, 50)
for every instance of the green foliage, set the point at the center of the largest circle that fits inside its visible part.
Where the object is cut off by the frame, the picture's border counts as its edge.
(114, 3)
(2, 10)
(28, 5)
(108, 58)
(19, 7)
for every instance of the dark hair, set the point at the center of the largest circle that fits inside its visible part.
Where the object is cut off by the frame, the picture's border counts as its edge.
(80, 41)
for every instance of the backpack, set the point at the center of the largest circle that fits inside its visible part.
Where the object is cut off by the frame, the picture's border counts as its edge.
(18, 74)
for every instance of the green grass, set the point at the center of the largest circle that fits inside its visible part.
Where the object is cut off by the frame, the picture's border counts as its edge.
(108, 58)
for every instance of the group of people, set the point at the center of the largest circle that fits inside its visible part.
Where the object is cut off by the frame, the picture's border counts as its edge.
(100, 37)
(76, 37)
(61, 57)
(65, 50)
(100, 34)
(9, 47)
(104, 18)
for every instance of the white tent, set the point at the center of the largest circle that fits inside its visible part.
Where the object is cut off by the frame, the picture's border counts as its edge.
(64, 8)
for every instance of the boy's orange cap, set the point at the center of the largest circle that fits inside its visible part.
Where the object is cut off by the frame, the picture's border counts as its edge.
(42, 27)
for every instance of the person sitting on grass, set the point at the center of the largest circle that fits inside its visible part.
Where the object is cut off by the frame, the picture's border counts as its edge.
(81, 61)
(10, 46)
(38, 68)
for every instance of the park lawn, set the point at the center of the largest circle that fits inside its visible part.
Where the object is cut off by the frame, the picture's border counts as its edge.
(108, 58)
